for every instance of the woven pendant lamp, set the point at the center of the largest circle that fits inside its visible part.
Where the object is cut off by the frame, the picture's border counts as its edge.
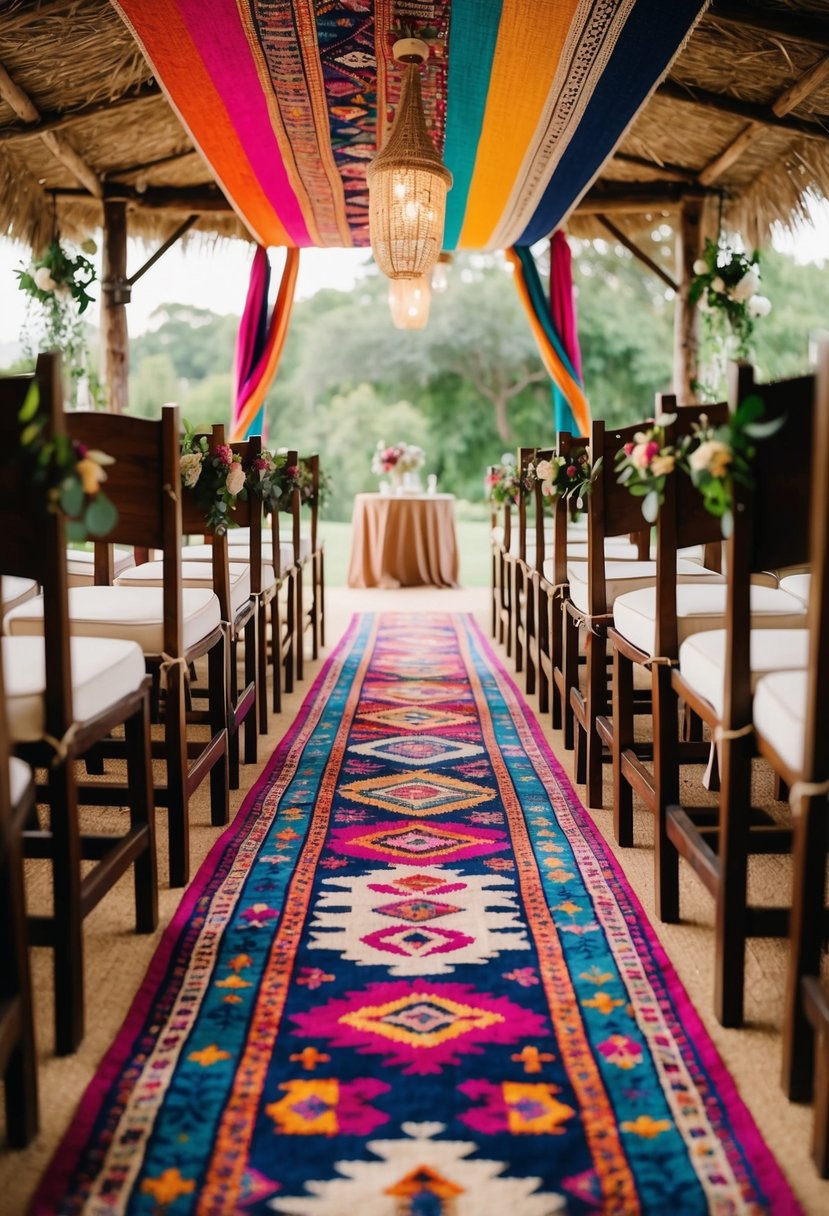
(407, 182)
(409, 301)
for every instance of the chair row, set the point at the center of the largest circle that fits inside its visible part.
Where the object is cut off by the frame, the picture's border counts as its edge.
(95, 650)
(676, 676)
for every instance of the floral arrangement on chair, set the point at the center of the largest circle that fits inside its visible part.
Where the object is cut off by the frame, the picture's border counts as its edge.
(716, 457)
(503, 483)
(643, 465)
(70, 473)
(726, 287)
(399, 458)
(58, 283)
(268, 477)
(215, 475)
(569, 478)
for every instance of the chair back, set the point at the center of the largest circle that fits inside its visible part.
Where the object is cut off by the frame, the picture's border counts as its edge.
(248, 513)
(525, 458)
(611, 509)
(312, 464)
(144, 485)
(683, 520)
(816, 752)
(539, 512)
(772, 517)
(193, 521)
(33, 538)
(567, 446)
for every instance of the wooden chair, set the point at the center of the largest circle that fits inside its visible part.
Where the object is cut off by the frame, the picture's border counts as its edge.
(538, 656)
(592, 589)
(62, 698)
(523, 612)
(231, 582)
(495, 535)
(312, 558)
(18, 1056)
(790, 711)
(715, 677)
(175, 626)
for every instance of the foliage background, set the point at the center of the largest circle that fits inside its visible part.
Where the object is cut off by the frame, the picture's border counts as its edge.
(470, 386)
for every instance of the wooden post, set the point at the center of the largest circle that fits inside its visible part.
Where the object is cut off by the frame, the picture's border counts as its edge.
(686, 335)
(114, 298)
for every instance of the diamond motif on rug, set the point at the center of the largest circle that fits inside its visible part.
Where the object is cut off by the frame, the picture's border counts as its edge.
(415, 717)
(418, 1024)
(416, 843)
(417, 910)
(416, 692)
(417, 793)
(417, 749)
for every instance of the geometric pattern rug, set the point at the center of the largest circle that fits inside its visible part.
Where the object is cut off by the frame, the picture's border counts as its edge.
(410, 980)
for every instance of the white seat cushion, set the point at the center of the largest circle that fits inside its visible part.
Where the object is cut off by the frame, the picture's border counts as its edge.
(239, 538)
(701, 606)
(702, 659)
(204, 553)
(797, 585)
(193, 574)
(624, 577)
(135, 613)
(780, 714)
(14, 591)
(80, 565)
(104, 669)
(19, 777)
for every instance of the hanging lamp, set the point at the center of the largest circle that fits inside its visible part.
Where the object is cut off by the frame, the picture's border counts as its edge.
(440, 273)
(409, 301)
(407, 181)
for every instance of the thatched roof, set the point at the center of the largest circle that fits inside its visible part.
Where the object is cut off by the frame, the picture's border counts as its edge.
(743, 115)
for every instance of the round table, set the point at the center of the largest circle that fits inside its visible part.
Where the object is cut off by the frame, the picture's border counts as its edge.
(403, 540)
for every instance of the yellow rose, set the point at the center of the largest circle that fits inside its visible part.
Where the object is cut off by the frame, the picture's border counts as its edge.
(91, 475)
(662, 464)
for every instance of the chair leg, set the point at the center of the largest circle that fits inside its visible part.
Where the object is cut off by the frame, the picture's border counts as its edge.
(300, 624)
(67, 942)
(729, 920)
(666, 793)
(596, 649)
(276, 654)
(219, 773)
(142, 815)
(570, 648)
(290, 632)
(175, 749)
(251, 674)
(22, 1115)
(232, 679)
(530, 638)
(519, 620)
(321, 603)
(262, 666)
(623, 721)
(805, 947)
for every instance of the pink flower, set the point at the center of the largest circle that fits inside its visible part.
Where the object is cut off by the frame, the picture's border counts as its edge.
(571, 470)
(224, 453)
(235, 479)
(640, 455)
(291, 471)
(628, 448)
(652, 448)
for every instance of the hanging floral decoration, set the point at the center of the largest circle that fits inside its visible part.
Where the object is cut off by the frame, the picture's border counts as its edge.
(726, 288)
(216, 477)
(717, 457)
(644, 465)
(567, 477)
(503, 483)
(268, 477)
(57, 284)
(68, 473)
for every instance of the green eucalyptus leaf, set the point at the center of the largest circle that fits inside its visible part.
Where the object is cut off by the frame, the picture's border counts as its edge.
(72, 498)
(75, 530)
(101, 516)
(30, 404)
(650, 507)
(727, 524)
(763, 430)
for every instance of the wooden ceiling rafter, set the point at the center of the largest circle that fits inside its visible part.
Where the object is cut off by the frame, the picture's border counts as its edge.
(62, 151)
(795, 27)
(58, 122)
(725, 103)
(622, 237)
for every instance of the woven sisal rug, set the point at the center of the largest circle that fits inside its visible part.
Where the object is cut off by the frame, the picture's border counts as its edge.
(410, 981)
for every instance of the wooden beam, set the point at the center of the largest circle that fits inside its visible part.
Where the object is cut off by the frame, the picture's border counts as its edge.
(686, 324)
(795, 27)
(206, 198)
(162, 249)
(143, 166)
(731, 153)
(57, 122)
(624, 239)
(622, 197)
(800, 90)
(667, 171)
(25, 108)
(750, 111)
(114, 294)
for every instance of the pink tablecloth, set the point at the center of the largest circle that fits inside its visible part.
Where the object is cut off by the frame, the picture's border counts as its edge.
(405, 540)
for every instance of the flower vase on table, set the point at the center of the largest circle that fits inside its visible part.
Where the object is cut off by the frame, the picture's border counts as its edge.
(401, 464)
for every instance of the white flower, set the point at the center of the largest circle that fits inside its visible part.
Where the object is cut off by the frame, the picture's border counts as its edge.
(548, 488)
(43, 279)
(718, 284)
(62, 291)
(700, 266)
(759, 306)
(191, 468)
(235, 479)
(544, 470)
(711, 455)
(747, 285)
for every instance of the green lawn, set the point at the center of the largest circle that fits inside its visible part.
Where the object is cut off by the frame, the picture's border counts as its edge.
(473, 548)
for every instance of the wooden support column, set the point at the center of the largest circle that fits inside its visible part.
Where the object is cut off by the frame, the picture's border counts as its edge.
(686, 325)
(115, 295)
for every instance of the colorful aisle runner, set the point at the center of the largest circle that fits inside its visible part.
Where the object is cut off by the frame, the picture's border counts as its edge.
(410, 981)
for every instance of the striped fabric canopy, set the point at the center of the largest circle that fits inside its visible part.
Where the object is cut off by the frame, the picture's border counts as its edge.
(288, 100)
